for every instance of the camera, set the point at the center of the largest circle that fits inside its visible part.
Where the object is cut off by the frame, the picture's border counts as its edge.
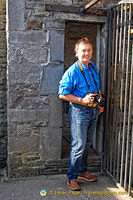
(100, 100)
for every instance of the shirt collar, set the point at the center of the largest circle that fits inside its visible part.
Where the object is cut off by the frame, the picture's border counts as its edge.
(84, 66)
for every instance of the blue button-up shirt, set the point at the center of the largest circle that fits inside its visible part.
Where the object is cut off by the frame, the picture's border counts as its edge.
(74, 83)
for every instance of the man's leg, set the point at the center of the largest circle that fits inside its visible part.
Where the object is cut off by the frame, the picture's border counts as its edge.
(79, 126)
(90, 133)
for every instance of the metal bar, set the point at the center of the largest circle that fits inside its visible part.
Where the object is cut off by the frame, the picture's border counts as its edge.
(131, 158)
(129, 108)
(120, 48)
(116, 45)
(113, 179)
(123, 60)
(112, 92)
(131, 153)
(108, 89)
(117, 83)
(125, 112)
(122, 81)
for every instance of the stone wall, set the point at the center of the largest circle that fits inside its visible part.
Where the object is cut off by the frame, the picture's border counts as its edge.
(3, 98)
(35, 65)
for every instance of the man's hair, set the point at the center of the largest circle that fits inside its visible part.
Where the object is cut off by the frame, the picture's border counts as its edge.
(84, 41)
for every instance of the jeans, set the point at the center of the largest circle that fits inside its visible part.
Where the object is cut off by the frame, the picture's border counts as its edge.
(83, 123)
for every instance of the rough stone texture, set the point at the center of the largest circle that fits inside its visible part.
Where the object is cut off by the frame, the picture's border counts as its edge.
(56, 46)
(3, 97)
(50, 79)
(28, 53)
(16, 12)
(55, 112)
(59, 2)
(50, 24)
(28, 37)
(34, 25)
(51, 143)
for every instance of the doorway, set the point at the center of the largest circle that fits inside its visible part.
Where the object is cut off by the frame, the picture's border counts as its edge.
(73, 32)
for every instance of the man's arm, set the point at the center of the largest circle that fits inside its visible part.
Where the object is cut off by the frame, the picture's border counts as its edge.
(89, 98)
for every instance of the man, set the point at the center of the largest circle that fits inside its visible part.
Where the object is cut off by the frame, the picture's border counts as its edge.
(83, 110)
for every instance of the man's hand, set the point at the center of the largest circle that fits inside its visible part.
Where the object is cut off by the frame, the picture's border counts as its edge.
(89, 98)
(101, 109)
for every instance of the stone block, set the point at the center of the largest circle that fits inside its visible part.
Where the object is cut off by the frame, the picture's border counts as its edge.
(3, 129)
(23, 172)
(26, 129)
(34, 4)
(3, 100)
(16, 15)
(40, 12)
(56, 46)
(2, 36)
(2, 46)
(26, 74)
(23, 144)
(50, 78)
(34, 103)
(27, 53)
(54, 24)
(3, 54)
(14, 160)
(29, 37)
(51, 143)
(30, 158)
(80, 1)
(21, 90)
(17, 100)
(2, 7)
(62, 2)
(34, 25)
(2, 22)
(3, 18)
(55, 111)
(75, 17)
(27, 115)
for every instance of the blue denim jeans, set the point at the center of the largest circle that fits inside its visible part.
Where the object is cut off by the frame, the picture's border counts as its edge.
(83, 123)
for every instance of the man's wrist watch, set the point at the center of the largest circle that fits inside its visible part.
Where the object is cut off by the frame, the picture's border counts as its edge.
(79, 100)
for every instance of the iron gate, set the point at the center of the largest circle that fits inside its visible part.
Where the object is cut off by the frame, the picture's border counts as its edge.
(118, 143)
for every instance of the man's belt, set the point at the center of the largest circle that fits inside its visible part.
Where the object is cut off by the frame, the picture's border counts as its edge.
(89, 104)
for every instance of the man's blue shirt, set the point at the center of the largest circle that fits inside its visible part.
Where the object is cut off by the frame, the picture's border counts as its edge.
(74, 83)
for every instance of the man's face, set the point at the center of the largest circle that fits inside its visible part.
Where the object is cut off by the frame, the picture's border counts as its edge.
(84, 53)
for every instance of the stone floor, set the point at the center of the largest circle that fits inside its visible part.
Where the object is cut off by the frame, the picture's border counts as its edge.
(56, 188)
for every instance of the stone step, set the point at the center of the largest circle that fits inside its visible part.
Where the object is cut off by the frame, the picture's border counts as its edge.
(61, 166)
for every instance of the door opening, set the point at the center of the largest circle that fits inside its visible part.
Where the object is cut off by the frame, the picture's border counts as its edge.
(73, 32)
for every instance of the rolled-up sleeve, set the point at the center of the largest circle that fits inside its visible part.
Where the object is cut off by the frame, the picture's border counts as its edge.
(66, 85)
